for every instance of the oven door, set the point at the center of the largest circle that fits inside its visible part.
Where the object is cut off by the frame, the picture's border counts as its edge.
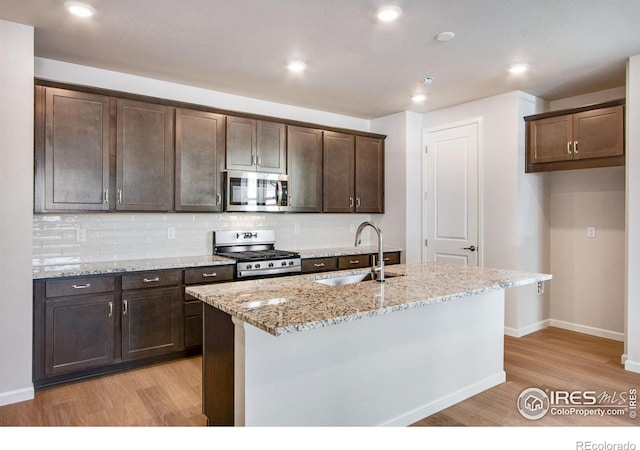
(256, 191)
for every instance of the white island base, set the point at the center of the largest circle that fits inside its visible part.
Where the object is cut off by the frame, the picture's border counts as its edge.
(388, 370)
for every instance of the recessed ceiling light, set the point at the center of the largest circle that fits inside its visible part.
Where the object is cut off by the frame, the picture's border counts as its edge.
(389, 13)
(518, 68)
(80, 9)
(445, 36)
(296, 66)
(419, 98)
(427, 80)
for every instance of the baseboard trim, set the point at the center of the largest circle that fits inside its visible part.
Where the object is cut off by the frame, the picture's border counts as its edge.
(593, 331)
(16, 396)
(446, 401)
(519, 332)
(632, 366)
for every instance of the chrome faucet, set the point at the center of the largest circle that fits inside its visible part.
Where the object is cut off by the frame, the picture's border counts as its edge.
(379, 268)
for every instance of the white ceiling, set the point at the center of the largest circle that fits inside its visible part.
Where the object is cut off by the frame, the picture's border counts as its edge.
(356, 65)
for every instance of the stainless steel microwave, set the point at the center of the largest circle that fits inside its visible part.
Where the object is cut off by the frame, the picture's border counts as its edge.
(256, 191)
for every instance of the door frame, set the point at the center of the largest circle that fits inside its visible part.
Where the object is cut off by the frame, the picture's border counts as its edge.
(480, 163)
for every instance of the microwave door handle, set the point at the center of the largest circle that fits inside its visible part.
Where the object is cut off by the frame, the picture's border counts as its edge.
(279, 193)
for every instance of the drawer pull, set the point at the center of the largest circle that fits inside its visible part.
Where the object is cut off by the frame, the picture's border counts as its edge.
(125, 307)
(151, 280)
(355, 261)
(318, 265)
(81, 286)
(386, 259)
(209, 275)
(110, 309)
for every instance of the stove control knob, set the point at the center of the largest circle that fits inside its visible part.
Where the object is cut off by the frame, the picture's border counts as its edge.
(257, 266)
(284, 263)
(291, 263)
(248, 266)
(270, 264)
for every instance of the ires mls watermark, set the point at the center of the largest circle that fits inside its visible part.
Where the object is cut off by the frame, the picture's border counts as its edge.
(534, 403)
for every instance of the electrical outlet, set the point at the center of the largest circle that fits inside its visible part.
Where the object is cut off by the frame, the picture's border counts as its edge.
(591, 232)
(540, 287)
(171, 233)
(81, 235)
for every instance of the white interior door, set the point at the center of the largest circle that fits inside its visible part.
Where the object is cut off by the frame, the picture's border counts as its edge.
(451, 199)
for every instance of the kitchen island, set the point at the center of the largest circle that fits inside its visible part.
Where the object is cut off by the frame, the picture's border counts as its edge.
(294, 351)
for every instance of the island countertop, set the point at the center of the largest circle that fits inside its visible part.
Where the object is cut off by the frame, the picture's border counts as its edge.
(297, 303)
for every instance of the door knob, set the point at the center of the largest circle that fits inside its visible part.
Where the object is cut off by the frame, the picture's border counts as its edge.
(472, 248)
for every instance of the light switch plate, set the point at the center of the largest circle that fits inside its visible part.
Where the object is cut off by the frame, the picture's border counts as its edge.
(591, 232)
(81, 235)
(171, 233)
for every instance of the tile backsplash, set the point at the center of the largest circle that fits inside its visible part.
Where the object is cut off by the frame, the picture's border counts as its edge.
(80, 238)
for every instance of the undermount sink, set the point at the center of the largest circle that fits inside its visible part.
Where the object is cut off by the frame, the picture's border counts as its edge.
(349, 279)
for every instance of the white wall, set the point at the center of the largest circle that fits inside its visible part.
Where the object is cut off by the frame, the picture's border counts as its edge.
(632, 343)
(509, 199)
(16, 197)
(587, 291)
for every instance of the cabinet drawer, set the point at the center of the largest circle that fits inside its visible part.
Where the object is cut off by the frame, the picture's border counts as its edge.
(78, 286)
(193, 331)
(156, 278)
(354, 261)
(193, 308)
(209, 274)
(319, 264)
(389, 258)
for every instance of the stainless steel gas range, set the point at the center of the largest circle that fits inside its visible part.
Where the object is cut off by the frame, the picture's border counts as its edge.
(255, 253)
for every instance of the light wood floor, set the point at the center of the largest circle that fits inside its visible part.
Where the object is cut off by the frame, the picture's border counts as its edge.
(170, 394)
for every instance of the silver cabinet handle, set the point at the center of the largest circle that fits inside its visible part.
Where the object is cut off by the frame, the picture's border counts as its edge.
(254, 159)
(218, 199)
(81, 286)
(318, 265)
(106, 196)
(350, 202)
(569, 147)
(357, 202)
(355, 261)
(119, 195)
(209, 275)
(151, 280)
(110, 309)
(386, 259)
(259, 163)
(575, 147)
(125, 307)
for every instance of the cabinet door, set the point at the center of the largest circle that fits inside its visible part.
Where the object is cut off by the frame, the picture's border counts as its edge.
(338, 172)
(152, 322)
(78, 333)
(599, 133)
(271, 147)
(551, 139)
(304, 162)
(76, 153)
(241, 144)
(369, 178)
(199, 142)
(144, 156)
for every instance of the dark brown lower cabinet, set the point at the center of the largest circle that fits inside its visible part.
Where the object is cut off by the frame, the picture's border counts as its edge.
(78, 333)
(152, 322)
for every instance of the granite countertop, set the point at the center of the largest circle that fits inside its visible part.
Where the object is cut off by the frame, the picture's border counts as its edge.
(132, 265)
(76, 269)
(297, 303)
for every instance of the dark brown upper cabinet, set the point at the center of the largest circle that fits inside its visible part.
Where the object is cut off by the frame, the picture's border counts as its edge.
(145, 153)
(199, 160)
(255, 145)
(304, 162)
(72, 150)
(353, 173)
(576, 139)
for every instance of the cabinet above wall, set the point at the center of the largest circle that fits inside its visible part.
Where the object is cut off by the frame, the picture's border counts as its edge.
(101, 150)
(580, 138)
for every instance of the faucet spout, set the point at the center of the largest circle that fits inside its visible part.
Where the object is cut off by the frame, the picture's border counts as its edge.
(378, 266)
